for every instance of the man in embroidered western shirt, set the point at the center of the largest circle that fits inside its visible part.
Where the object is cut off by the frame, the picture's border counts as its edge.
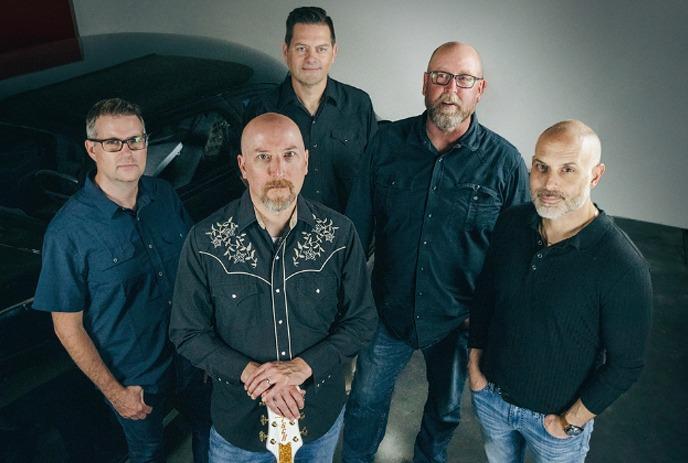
(431, 194)
(336, 120)
(562, 310)
(272, 299)
(109, 261)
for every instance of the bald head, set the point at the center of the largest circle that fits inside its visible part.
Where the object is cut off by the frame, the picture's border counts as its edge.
(458, 52)
(577, 136)
(270, 123)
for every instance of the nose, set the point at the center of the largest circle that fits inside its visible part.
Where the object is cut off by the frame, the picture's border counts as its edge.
(277, 167)
(551, 180)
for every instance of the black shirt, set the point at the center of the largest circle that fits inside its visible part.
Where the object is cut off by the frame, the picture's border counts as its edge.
(336, 137)
(432, 214)
(543, 315)
(118, 266)
(240, 297)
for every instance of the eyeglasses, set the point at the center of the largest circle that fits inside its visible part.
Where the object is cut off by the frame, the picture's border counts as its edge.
(113, 145)
(462, 80)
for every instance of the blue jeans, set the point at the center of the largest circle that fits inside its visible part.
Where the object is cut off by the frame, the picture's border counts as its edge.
(318, 451)
(508, 430)
(191, 398)
(377, 369)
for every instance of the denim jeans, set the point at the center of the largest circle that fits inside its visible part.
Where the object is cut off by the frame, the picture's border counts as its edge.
(320, 450)
(191, 398)
(508, 430)
(377, 369)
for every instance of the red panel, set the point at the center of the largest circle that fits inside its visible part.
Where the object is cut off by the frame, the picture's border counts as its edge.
(35, 35)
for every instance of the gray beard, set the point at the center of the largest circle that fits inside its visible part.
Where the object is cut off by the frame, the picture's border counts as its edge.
(446, 122)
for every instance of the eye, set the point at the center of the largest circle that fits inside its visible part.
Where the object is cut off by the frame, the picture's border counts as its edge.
(263, 157)
(568, 170)
(112, 143)
(289, 154)
(540, 167)
(300, 49)
(322, 49)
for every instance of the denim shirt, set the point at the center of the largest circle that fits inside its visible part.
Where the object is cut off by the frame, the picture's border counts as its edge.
(335, 137)
(118, 266)
(432, 215)
(239, 297)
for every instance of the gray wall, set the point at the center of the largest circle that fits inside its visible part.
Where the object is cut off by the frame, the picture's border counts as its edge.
(617, 65)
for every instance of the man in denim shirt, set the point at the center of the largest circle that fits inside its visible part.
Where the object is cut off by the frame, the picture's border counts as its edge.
(109, 264)
(430, 195)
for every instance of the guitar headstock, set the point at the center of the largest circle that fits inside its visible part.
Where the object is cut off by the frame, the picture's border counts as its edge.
(284, 438)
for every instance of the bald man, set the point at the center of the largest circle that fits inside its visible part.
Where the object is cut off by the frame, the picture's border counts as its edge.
(562, 310)
(272, 299)
(430, 197)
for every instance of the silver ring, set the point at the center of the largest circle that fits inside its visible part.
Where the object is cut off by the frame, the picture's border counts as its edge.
(267, 380)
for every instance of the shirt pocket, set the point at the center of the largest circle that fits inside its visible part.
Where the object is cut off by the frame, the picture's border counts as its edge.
(317, 303)
(238, 306)
(477, 206)
(347, 148)
(114, 265)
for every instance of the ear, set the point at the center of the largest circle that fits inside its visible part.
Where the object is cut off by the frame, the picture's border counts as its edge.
(285, 47)
(89, 145)
(597, 173)
(242, 167)
(305, 157)
(425, 83)
(482, 86)
(335, 50)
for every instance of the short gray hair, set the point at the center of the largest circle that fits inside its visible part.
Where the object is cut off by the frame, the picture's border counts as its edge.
(111, 107)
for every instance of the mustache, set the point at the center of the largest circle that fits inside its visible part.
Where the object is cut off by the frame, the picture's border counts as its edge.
(448, 98)
(281, 183)
(543, 191)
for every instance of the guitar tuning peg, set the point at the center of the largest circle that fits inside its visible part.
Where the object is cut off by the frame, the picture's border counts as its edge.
(263, 420)
(302, 415)
(304, 431)
(291, 423)
(274, 424)
(295, 439)
(273, 441)
(262, 436)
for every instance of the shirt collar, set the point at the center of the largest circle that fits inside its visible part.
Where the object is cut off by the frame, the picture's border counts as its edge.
(288, 96)
(585, 238)
(109, 208)
(469, 140)
(247, 213)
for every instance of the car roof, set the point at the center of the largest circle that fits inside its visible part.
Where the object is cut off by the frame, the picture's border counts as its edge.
(157, 83)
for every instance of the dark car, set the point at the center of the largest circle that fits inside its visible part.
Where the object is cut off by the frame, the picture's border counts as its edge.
(192, 92)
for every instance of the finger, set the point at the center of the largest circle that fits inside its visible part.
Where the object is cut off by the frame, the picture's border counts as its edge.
(297, 397)
(259, 388)
(260, 371)
(292, 406)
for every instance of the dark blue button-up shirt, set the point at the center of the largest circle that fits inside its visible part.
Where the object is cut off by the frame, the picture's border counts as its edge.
(432, 215)
(119, 267)
(336, 136)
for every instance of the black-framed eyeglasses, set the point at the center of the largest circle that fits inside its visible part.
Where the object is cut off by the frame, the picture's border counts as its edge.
(462, 80)
(112, 145)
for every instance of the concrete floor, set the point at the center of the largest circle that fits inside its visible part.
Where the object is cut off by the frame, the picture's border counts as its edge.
(648, 424)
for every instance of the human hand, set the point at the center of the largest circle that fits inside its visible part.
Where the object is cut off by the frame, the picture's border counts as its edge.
(554, 426)
(290, 373)
(287, 401)
(128, 402)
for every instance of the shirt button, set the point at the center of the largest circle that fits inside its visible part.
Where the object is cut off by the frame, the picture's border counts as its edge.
(539, 242)
(277, 290)
(317, 290)
(315, 170)
(475, 198)
(169, 302)
(539, 254)
(425, 243)
(233, 296)
(276, 257)
(534, 267)
(420, 293)
(150, 246)
(315, 145)
(159, 274)
(422, 269)
(283, 353)
(313, 122)
(417, 317)
(115, 260)
(429, 216)
(434, 188)
(279, 322)
(317, 191)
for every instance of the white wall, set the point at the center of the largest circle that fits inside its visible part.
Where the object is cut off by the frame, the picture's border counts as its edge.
(619, 66)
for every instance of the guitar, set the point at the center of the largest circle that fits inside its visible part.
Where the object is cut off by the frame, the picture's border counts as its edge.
(284, 438)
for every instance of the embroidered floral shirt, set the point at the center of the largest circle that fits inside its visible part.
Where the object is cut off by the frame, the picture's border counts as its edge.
(239, 296)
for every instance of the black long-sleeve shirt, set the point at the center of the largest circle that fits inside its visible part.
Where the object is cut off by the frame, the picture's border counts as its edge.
(432, 214)
(239, 297)
(335, 137)
(545, 315)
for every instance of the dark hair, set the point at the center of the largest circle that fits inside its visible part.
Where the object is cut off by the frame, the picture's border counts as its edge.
(111, 107)
(308, 15)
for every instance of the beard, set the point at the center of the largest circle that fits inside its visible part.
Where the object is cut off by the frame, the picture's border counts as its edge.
(561, 208)
(279, 203)
(448, 118)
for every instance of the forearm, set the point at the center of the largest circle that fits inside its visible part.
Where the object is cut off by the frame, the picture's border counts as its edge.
(78, 344)
(578, 414)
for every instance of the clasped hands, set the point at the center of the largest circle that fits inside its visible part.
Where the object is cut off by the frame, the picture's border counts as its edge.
(278, 385)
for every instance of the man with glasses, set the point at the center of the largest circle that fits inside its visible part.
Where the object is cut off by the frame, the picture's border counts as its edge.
(336, 120)
(430, 196)
(109, 264)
